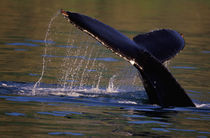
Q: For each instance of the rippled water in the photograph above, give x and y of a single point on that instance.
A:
(85, 89)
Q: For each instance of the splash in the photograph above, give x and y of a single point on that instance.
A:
(77, 63)
(74, 63)
(111, 87)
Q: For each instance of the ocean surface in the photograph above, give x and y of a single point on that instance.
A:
(56, 81)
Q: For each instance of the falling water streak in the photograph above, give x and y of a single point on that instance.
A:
(74, 70)
(69, 68)
(99, 79)
(85, 69)
(45, 53)
(63, 72)
(77, 68)
(66, 64)
(66, 74)
(92, 66)
(93, 63)
(94, 84)
(100, 76)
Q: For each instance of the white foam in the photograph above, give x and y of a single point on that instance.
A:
(4, 85)
(127, 102)
(202, 105)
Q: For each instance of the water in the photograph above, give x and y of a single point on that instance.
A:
(83, 89)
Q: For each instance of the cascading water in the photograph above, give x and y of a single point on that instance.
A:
(73, 62)
(45, 52)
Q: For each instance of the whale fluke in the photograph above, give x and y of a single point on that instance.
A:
(162, 44)
(146, 52)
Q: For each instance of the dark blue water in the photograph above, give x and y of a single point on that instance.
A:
(94, 113)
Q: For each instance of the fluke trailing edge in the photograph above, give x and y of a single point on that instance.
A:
(146, 52)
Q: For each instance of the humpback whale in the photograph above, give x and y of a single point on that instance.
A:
(147, 52)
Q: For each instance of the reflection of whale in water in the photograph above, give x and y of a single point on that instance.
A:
(146, 52)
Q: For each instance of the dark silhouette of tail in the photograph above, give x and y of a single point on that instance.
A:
(146, 52)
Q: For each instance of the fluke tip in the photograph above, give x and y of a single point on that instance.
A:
(64, 12)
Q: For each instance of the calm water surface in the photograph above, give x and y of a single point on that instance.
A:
(85, 89)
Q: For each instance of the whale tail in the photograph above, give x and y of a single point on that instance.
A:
(161, 89)
(146, 52)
